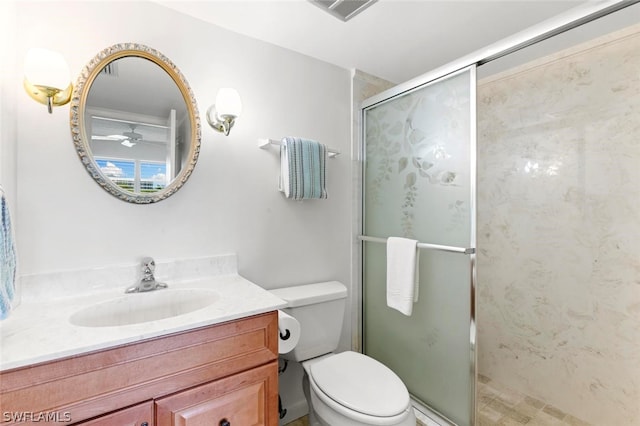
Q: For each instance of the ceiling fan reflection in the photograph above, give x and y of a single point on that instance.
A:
(128, 139)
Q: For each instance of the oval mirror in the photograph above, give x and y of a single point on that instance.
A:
(135, 123)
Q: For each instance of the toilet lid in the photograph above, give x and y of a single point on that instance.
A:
(362, 384)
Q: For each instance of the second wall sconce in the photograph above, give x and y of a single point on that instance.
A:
(47, 78)
(222, 115)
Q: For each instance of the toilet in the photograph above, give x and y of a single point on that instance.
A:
(348, 388)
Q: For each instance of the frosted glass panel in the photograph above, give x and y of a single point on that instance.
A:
(419, 148)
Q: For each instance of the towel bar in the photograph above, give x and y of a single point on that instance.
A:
(452, 249)
(265, 143)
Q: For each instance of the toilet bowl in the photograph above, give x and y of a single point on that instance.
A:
(347, 388)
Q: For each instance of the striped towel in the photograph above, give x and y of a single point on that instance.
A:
(302, 169)
(7, 259)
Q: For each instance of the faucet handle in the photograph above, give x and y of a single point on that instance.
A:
(148, 281)
(148, 265)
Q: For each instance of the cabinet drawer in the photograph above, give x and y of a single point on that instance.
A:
(138, 415)
(245, 399)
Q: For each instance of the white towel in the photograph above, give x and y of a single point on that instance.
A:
(402, 274)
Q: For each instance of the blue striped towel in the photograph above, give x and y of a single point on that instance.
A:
(7, 259)
(302, 169)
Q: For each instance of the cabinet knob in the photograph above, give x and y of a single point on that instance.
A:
(225, 422)
(144, 424)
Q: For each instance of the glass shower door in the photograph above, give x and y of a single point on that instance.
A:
(419, 182)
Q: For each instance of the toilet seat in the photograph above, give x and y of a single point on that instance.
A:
(360, 388)
(354, 416)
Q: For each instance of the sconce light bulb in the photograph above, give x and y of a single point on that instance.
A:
(221, 116)
(47, 78)
(46, 68)
(228, 102)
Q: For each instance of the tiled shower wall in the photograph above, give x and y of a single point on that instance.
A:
(559, 229)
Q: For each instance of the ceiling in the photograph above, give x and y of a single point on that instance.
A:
(393, 39)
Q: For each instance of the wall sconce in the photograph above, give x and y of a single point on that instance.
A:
(222, 115)
(47, 78)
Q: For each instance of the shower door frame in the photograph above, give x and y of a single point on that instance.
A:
(571, 19)
(468, 251)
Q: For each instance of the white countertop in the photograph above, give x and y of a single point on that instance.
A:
(39, 330)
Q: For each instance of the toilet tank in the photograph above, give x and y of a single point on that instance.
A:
(319, 308)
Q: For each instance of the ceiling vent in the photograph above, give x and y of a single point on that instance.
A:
(343, 9)
(111, 69)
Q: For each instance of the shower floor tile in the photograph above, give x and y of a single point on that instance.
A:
(499, 405)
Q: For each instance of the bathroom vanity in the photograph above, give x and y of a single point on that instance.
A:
(226, 373)
(216, 365)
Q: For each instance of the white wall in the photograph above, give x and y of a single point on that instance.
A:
(231, 202)
(7, 104)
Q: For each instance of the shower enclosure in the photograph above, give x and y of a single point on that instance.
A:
(419, 183)
(558, 225)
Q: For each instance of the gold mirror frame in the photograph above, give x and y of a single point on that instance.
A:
(79, 130)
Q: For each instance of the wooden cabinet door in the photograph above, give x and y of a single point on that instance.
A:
(138, 415)
(245, 399)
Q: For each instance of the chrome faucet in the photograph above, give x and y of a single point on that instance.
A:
(148, 281)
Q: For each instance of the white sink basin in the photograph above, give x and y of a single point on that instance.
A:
(137, 308)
